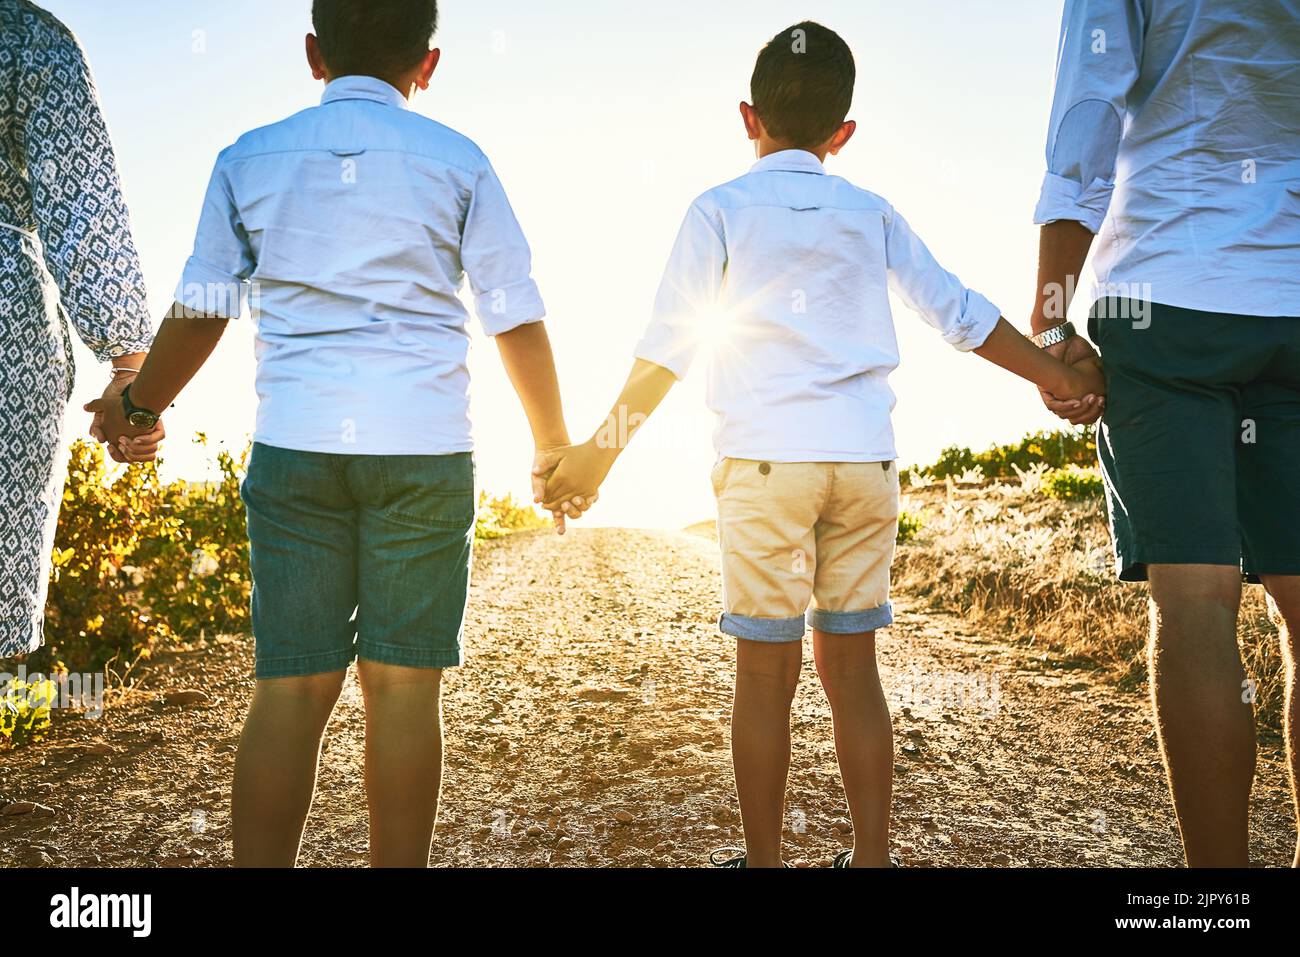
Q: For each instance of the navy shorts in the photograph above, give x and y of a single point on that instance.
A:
(1200, 441)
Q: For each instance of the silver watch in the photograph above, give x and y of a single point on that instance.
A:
(1054, 336)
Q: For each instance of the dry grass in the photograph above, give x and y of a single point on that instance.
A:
(1007, 555)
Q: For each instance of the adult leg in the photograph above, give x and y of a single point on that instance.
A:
(1206, 725)
(767, 676)
(275, 769)
(864, 738)
(403, 760)
(1285, 590)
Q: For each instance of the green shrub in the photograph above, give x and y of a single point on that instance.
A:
(1073, 484)
(503, 515)
(25, 710)
(138, 561)
(1055, 449)
(909, 523)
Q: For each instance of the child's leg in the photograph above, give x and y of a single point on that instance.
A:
(767, 674)
(403, 760)
(275, 770)
(855, 545)
(864, 738)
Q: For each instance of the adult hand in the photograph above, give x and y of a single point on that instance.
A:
(1085, 411)
(125, 443)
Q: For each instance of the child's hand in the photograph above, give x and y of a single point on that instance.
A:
(1085, 379)
(577, 478)
(1094, 380)
(545, 462)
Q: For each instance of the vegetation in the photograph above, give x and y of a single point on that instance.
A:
(24, 710)
(1073, 484)
(1029, 554)
(1053, 449)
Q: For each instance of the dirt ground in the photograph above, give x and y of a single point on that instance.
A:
(589, 728)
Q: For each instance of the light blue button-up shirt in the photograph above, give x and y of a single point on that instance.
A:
(347, 231)
(1175, 136)
(785, 273)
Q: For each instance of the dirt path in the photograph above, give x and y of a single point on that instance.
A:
(589, 727)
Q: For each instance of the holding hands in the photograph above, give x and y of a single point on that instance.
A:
(567, 480)
(1086, 407)
(109, 425)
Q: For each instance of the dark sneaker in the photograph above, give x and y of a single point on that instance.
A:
(727, 857)
(843, 858)
(731, 857)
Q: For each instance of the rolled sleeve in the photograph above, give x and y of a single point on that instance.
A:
(497, 260)
(687, 294)
(214, 281)
(962, 316)
(1062, 198)
(1098, 62)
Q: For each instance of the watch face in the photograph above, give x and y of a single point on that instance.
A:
(142, 420)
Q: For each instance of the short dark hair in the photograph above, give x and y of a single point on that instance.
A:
(802, 85)
(380, 38)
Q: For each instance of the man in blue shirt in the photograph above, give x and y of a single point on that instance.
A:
(1175, 139)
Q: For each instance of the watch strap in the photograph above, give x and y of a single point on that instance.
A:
(1054, 336)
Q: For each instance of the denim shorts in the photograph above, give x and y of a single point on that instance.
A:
(1200, 441)
(358, 556)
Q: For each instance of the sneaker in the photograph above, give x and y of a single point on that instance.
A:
(727, 857)
(732, 857)
(843, 858)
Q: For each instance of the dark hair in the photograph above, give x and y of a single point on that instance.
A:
(802, 85)
(380, 38)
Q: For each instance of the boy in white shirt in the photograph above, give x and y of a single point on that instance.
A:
(798, 265)
(356, 221)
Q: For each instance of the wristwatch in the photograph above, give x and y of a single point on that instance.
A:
(1054, 336)
(138, 417)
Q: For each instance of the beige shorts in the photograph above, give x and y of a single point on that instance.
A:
(801, 534)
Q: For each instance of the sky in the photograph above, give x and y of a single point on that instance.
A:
(604, 119)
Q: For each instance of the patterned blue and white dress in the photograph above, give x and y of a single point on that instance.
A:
(66, 253)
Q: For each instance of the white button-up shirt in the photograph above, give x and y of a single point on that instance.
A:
(1175, 136)
(785, 273)
(353, 225)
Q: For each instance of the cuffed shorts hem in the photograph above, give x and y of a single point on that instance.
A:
(410, 657)
(763, 629)
(298, 666)
(851, 622)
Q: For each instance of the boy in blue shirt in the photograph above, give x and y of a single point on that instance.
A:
(355, 221)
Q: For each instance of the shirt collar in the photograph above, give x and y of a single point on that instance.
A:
(790, 161)
(363, 88)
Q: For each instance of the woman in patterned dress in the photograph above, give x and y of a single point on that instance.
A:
(66, 253)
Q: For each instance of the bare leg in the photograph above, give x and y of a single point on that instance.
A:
(1206, 729)
(275, 769)
(1285, 590)
(767, 675)
(864, 738)
(403, 760)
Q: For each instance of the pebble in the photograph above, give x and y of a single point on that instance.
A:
(624, 817)
(25, 807)
(186, 696)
